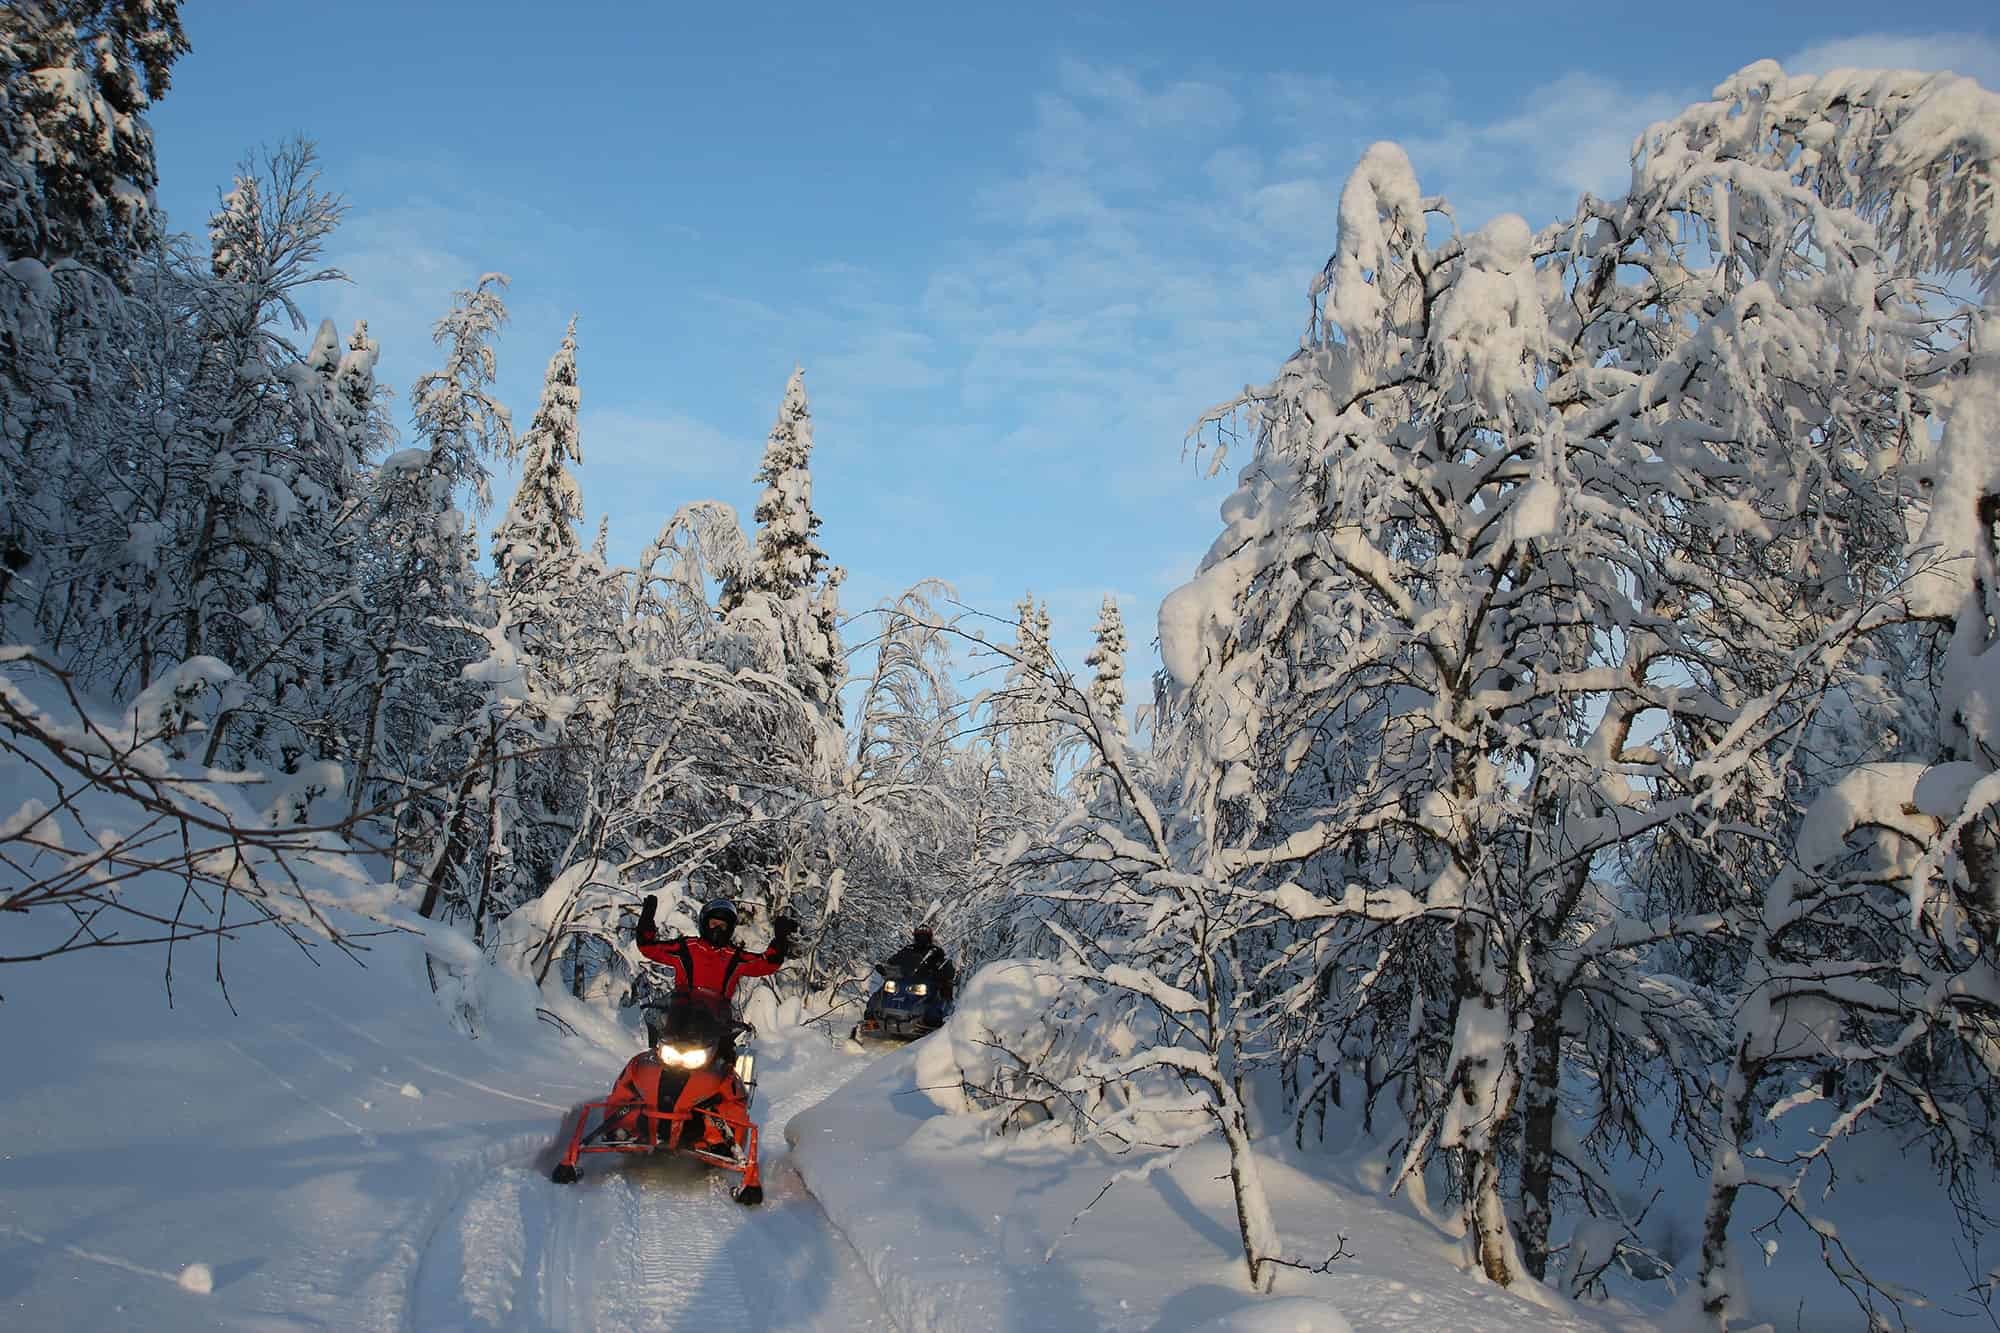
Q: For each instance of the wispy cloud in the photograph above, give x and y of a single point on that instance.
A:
(1012, 413)
(1975, 55)
(641, 465)
(1568, 136)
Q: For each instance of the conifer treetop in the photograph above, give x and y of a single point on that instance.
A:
(787, 559)
(541, 519)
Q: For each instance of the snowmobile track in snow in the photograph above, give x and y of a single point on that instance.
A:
(645, 1244)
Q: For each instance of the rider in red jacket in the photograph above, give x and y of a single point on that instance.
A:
(708, 966)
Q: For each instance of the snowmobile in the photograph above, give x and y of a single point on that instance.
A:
(901, 1008)
(687, 1093)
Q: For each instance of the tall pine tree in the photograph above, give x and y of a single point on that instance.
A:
(538, 535)
(539, 661)
(787, 588)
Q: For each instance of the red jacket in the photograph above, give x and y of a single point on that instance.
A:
(708, 969)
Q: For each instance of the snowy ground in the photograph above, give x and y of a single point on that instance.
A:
(334, 1156)
(958, 1231)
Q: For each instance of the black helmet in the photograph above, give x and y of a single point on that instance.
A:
(921, 937)
(718, 920)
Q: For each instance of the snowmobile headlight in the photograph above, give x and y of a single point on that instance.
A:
(686, 1057)
(921, 988)
(889, 987)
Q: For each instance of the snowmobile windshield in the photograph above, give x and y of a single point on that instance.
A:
(692, 1017)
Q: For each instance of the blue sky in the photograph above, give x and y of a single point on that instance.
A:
(1017, 249)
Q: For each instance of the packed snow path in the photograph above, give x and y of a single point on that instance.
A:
(649, 1244)
(333, 1155)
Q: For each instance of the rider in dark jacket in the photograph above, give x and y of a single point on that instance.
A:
(922, 960)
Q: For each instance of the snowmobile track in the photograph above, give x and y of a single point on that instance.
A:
(645, 1244)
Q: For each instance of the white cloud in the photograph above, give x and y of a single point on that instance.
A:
(1577, 132)
(401, 275)
(1971, 54)
(1182, 105)
(1570, 135)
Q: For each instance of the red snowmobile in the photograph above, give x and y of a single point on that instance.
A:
(688, 1092)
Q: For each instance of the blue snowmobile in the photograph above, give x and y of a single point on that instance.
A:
(915, 995)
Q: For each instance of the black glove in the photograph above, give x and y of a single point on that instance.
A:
(647, 929)
(785, 927)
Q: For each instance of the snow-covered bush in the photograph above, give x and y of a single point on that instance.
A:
(1020, 1034)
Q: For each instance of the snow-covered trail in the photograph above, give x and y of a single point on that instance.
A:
(649, 1244)
(334, 1156)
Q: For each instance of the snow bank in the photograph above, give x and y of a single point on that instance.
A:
(278, 1166)
(964, 1230)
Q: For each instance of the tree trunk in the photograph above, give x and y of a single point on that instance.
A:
(1539, 1108)
(378, 690)
(1254, 1224)
(1541, 1091)
(204, 549)
(454, 822)
(1481, 1045)
(1725, 1178)
(1488, 1213)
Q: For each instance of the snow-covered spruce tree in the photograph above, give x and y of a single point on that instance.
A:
(419, 589)
(1107, 658)
(358, 432)
(785, 596)
(77, 170)
(537, 539)
(539, 658)
(1107, 655)
(1025, 705)
(76, 215)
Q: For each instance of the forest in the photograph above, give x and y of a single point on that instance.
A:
(1576, 759)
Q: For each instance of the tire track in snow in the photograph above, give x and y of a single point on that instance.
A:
(366, 1136)
(93, 1256)
(406, 1057)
